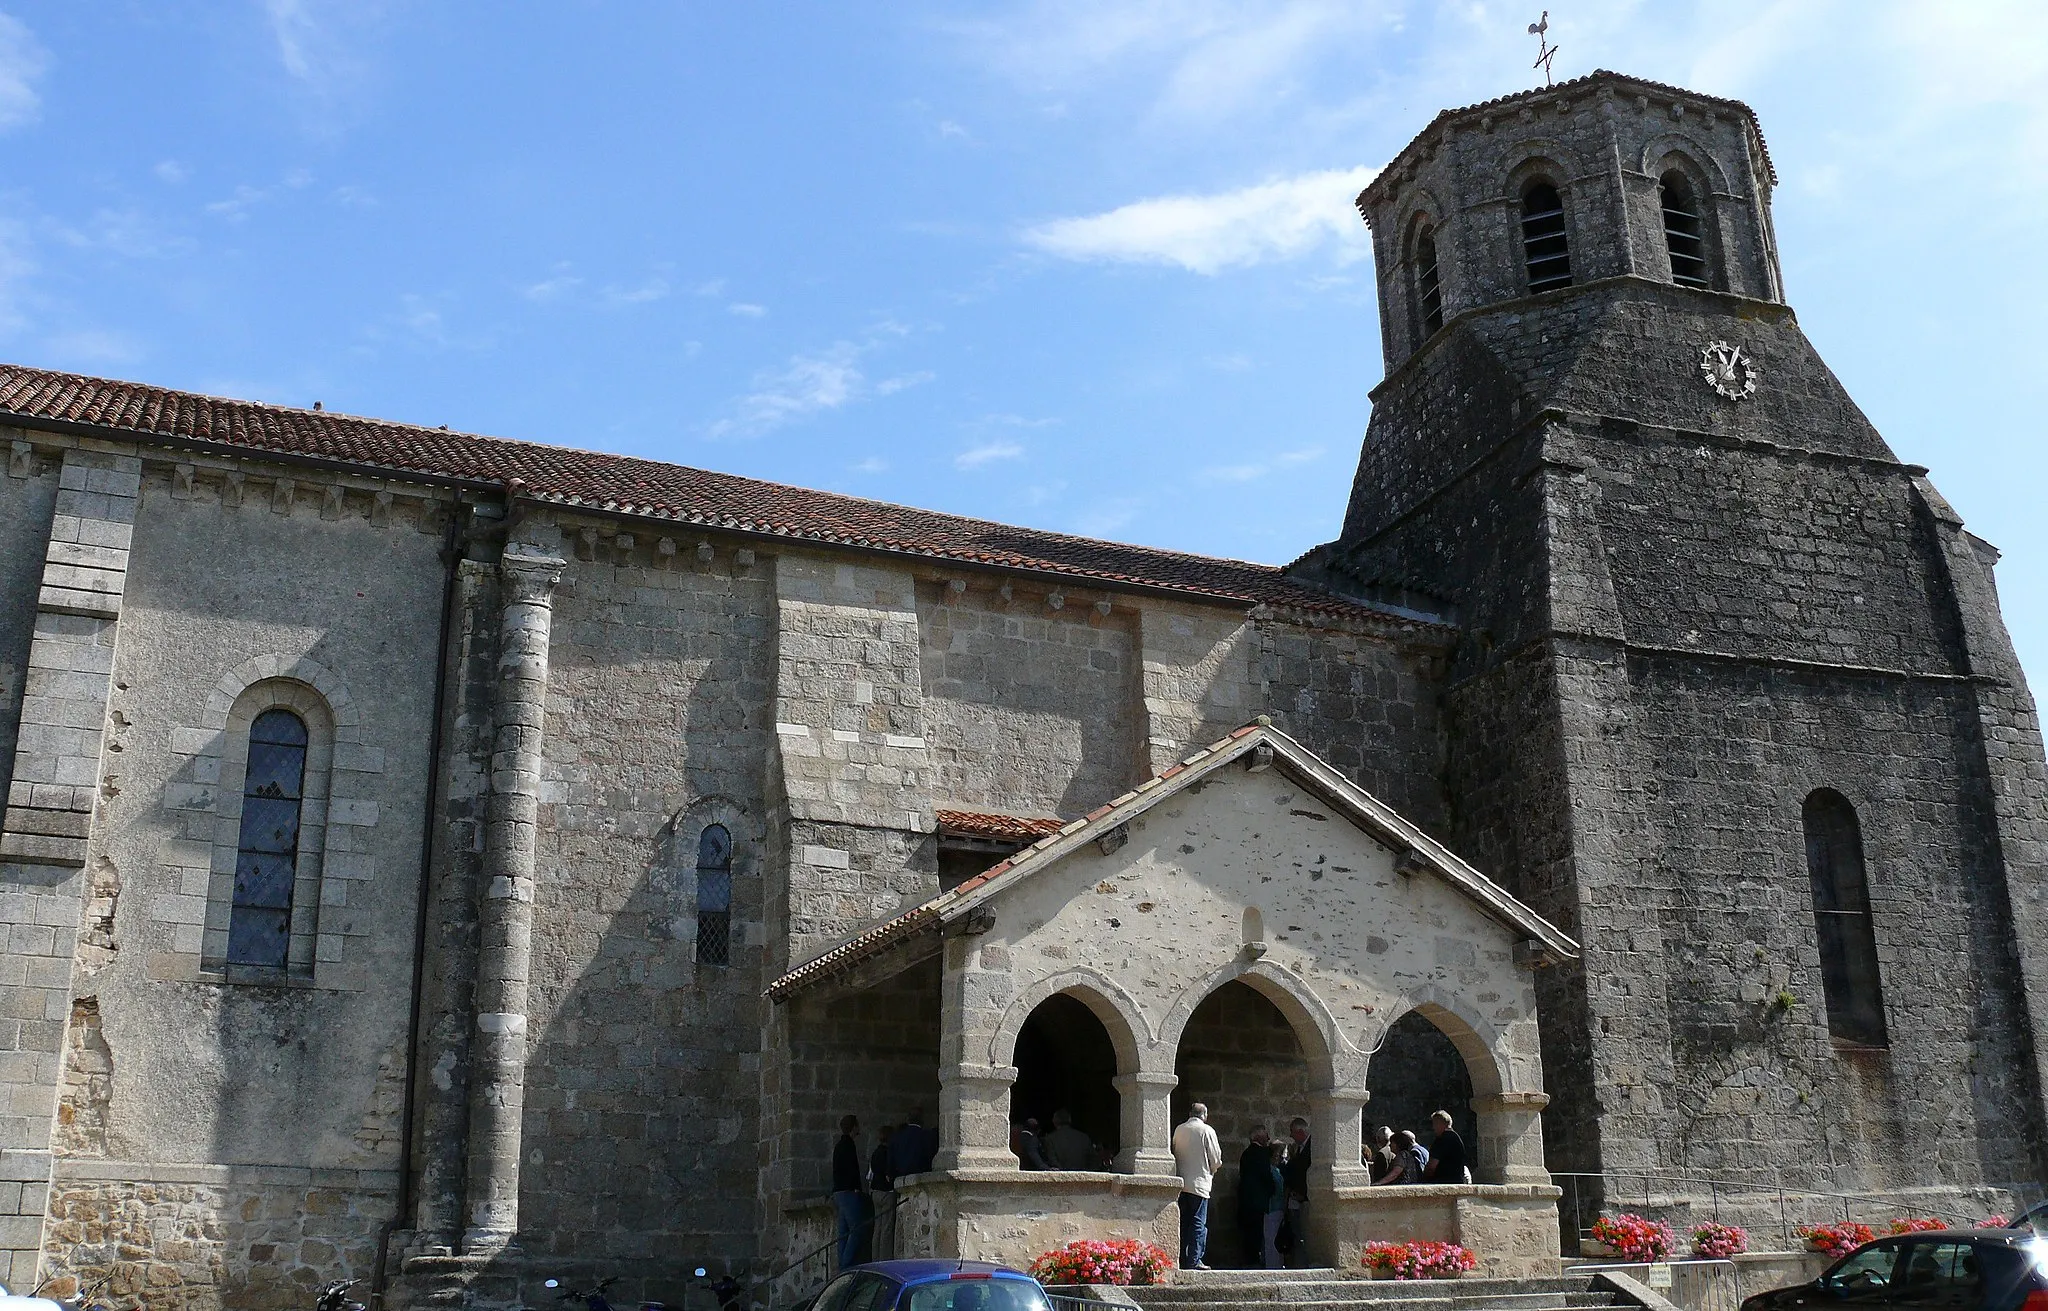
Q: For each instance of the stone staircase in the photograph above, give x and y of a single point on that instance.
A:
(1330, 1290)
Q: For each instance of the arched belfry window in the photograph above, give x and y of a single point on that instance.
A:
(714, 896)
(1842, 922)
(1429, 291)
(1684, 230)
(267, 852)
(1544, 248)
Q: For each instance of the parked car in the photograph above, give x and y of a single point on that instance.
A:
(2033, 1219)
(928, 1285)
(1941, 1270)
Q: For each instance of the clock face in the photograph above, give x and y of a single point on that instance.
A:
(1729, 371)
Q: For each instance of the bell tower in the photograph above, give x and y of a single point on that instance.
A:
(1732, 701)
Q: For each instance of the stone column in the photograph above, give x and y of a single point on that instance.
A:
(974, 1124)
(498, 1061)
(1337, 1122)
(1146, 1120)
(1510, 1146)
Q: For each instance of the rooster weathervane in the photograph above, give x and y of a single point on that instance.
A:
(1545, 52)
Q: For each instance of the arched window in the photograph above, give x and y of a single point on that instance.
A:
(1842, 922)
(1684, 233)
(267, 851)
(1429, 294)
(1544, 247)
(714, 896)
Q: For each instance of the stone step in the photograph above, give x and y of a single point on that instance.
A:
(1392, 1295)
(1218, 1288)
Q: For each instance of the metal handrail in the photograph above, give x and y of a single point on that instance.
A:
(870, 1225)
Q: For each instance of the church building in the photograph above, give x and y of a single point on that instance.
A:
(455, 862)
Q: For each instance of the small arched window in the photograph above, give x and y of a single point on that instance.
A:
(1429, 292)
(1684, 231)
(1544, 247)
(1842, 921)
(714, 896)
(267, 851)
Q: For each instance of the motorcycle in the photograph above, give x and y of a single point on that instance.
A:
(334, 1297)
(726, 1289)
(85, 1299)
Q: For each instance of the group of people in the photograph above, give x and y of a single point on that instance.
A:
(900, 1150)
(1400, 1158)
(1065, 1148)
(1272, 1181)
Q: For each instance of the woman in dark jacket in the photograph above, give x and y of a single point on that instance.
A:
(1261, 1201)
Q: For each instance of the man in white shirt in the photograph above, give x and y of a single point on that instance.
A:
(1197, 1155)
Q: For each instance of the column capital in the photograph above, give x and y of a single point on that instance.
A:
(1144, 1079)
(530, 579)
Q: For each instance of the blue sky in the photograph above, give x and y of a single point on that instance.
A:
(1080, 265)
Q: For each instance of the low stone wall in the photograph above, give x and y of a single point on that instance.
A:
(202, 1238)
(1721, 1285)
(1511, 1228)
(1012, 1216)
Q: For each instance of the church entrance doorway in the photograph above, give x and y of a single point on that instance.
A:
(1239, 1057)
(1065, 1065)
(1416, 1072)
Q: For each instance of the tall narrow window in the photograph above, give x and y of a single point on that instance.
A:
(267, 852)
(1429, 292)
(1842, 923)
(1683, 230)
(1543, 240)
(714, 896)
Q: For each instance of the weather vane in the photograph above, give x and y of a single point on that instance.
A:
(1545, 51)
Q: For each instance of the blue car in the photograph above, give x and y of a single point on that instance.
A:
(932, 1286)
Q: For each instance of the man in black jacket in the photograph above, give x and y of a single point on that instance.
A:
(1447, 1163)
(849, 1197)
(1296, 1175)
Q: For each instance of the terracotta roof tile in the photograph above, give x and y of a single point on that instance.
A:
(986, 824)
(624, 484)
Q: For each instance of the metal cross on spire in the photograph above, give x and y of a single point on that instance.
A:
(1545, 52)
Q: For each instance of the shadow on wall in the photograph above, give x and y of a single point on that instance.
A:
(1065, 1061)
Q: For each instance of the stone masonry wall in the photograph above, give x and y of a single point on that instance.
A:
(1028, 707)
(26, 496)
(642, 1098)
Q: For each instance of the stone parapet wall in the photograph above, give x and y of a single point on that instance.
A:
(1511, 1228)
(1013, 1217)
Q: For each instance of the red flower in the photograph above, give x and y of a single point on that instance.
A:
(1719, 1241)
(1837, 1239)
(1419, 1260)
(1102, 1261)
(1635, 1237)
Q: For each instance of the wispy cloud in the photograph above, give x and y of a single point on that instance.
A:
(646, 293)
(171, 171)
(22, 64)
(987, 453)
(1287, 218)
(1251, 471)
(745, 310)
(873, 464)
(562, 283)
(814, 384)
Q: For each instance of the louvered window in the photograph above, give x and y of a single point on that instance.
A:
(714, 896)
(1684, 233)
(1843, 927)
(1429, 293)
(1544, 247)
(267, 852)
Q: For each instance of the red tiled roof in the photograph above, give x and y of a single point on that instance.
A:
(625, 485)
(983, 824)
(1579, 83)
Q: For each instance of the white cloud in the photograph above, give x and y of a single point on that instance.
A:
(22, 63)
(646, 293)
(873, 464)
(1287, 218)
(94, 346)
(562, 284)
(747, 311)
(1232, 473)
(814, 384)
(237, 206)
(171, 171)
(987, 453)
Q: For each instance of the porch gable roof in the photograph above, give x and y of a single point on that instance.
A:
(1377, 819)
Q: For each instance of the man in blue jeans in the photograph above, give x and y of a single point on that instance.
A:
(1197, 1155)
(849, 1197)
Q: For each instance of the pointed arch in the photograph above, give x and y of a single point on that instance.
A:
(1333, 1059)
(1475, 1039)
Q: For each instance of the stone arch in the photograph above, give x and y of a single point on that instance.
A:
(1119, 1012)
(672, 886)
(1667, 150)
(1334, 1061)
(1468, 1033)
(1539, 157)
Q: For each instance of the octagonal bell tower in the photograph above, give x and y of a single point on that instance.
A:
(1732, 702)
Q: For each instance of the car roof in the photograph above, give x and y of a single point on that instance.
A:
(919, 1271)
(2005, 1237)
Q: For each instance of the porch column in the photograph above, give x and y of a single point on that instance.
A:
(1510, 1147)
(974, 1130)
(1337, 1122)
(497, 1096)
(1145, 1118)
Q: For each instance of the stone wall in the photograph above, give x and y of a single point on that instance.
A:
(642, 1102)
(26, 496)
(206, 1238)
